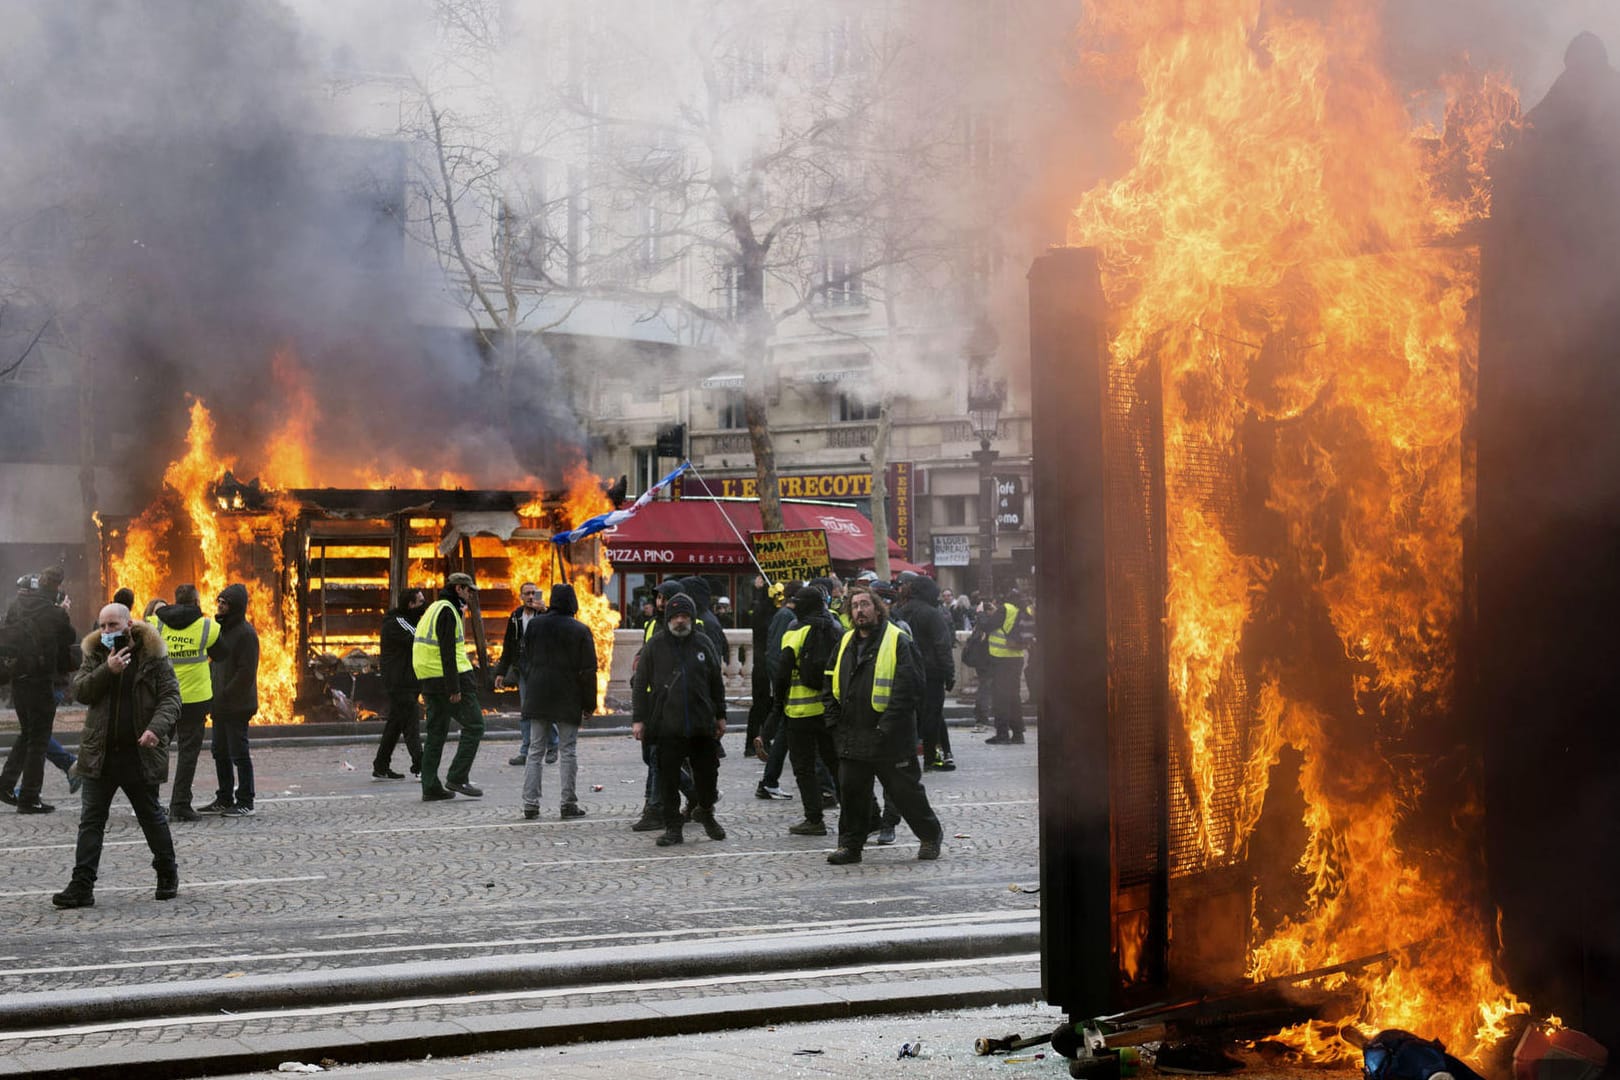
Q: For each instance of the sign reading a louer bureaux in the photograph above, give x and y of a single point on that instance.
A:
(792, 554)
(953, 550)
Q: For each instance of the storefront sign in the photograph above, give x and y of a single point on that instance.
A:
(1009, 504)
(792, 554)
(953, 550)
(899, 508)
(854, 485)
(674, 555)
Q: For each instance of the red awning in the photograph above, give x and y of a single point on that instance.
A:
(696, 532)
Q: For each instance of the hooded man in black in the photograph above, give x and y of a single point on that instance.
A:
(43, 622)
(561, 690)
(931, 630)
(403, 689)
(236, 698)
(652, 812)
(680, 704)
(698, 589)
(798, 717)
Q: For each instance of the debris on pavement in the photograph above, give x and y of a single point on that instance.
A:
(298, 1067)
(909, 1049)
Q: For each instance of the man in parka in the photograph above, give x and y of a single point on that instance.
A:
(561, 679)
(235, 671)
(134, 704)
(872, 690)
(680, 704)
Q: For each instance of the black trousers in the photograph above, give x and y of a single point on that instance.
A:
(35, 702)
(1008, 694)
(404, 719)
(931, 719)
(760, 707)
(188, 738)
(902, 784)
(704, 755)
(120, 772)
(809, 741)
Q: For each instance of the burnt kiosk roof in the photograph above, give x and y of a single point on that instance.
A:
(384, 502)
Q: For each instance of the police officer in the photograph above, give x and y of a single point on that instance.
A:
(189, 634)
(439, 657)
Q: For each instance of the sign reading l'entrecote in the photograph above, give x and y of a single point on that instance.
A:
(792, 554)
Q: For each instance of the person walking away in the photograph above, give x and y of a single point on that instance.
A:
(876, 682)
(513, 665)
(931, 630)
(680, 705)
(439, 657)
(188, 634)
(235, 672)
(976, 655)
(134, 704)
(767, 598)
(799, 718)
(398, 637)
(1009, 631)
(38, 641)
(561, 691)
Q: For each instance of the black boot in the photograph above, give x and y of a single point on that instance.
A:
(672, 836)
(649, 821)
(77, 894)
(168, 883)
(710, 826)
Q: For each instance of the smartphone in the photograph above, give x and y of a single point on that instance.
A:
(120, 643)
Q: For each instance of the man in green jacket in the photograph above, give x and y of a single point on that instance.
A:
(134, 698)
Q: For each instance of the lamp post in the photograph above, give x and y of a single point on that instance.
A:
(985, 400)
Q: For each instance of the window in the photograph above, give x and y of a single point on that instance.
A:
(728, 290)
(729, 410)
(651, 248)
(841, 276)
(644, 473)
(953, 510)
(851, 409)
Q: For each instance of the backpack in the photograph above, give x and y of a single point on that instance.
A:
(20, 653)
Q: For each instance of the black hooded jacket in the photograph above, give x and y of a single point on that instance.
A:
(698, 590)
(236, 656)
(178, 616)
(398, 640)
(51, 630)
(930, 629)
(560, 683)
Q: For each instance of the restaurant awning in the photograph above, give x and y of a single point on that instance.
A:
(696, 532)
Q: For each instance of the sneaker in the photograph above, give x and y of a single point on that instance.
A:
(763, 792)
(8, 797)
(829, 800)
(386, 774)
(183, 813)
(885, 835)
(530, 813)
(551, 755)
(168, 886)
(997, 740)
(518, 759)
(571, 810)
(468, 789)
(671, 837)
(437, 796)
(928, 850)
(416, 768)
(35, 807)
(844, 856)
(649, 821)
(809, 828)
(1018, 738)
(948, 765)
(74, 896)
(215, 807)
(239, 810)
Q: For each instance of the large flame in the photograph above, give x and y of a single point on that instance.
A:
(584, 498)
(1286, 244)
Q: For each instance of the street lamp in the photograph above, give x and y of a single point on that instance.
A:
(985, 400)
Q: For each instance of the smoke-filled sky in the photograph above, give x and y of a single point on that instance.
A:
(166, 197)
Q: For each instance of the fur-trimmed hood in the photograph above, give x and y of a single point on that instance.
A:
(148, 642)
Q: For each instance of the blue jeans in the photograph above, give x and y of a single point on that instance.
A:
(523, 721)
(233, 764)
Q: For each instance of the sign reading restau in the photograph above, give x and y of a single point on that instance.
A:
(952, 550)
(792, 554)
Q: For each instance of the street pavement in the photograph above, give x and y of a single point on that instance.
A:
(347, 915)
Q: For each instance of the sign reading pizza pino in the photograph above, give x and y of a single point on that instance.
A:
(792, 554)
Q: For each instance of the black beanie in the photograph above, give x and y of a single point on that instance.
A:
(679, 604)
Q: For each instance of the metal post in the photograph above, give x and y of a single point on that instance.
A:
(986, 457)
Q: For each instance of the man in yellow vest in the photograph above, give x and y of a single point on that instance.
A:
(1010, 629)
(798, 716)
(439, 658)
(189, 634)
(873, 689)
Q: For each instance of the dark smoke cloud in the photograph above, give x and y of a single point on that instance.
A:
(169, 198)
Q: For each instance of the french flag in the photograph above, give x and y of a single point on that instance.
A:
(591, 526)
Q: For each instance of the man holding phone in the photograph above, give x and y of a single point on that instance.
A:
(134, 704)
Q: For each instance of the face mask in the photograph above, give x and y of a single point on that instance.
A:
(107, 639)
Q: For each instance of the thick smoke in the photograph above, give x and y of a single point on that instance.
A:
(171, 206)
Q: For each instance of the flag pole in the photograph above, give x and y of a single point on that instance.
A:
(718, 506)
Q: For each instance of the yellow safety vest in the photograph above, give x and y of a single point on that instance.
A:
(802, 701)
(882, 674)
(652, 628)
(425, 649)
(188, 652)
(997, 639)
